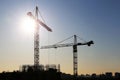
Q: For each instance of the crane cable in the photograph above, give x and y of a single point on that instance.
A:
(64, 40)
(36, 3)
(81, 39)
(48, 52)
(42, 17)
(70, 38)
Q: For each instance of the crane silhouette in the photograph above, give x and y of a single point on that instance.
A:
(36, 36)
(75, 55)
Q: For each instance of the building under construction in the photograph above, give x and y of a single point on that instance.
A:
(27, 68)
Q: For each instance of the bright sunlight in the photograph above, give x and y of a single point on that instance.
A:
(28, 24)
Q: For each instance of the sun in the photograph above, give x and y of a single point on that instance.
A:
(28, 24)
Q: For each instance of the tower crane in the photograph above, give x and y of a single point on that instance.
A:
(36, 35)
(75, 56)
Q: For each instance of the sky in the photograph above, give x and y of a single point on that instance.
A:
(96, 20)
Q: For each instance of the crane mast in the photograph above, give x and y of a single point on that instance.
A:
(75, 56)
(75, 60)
(36, 41)
(36, 35)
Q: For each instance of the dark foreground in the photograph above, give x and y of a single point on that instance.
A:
(31, 75)
(51, 74)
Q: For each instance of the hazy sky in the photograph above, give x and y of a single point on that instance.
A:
(97, 20)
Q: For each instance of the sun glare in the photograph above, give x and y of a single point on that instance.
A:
(28, 24)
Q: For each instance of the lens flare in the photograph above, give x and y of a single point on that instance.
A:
(28, 24)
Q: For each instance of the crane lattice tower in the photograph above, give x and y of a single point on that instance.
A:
(36, 35)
